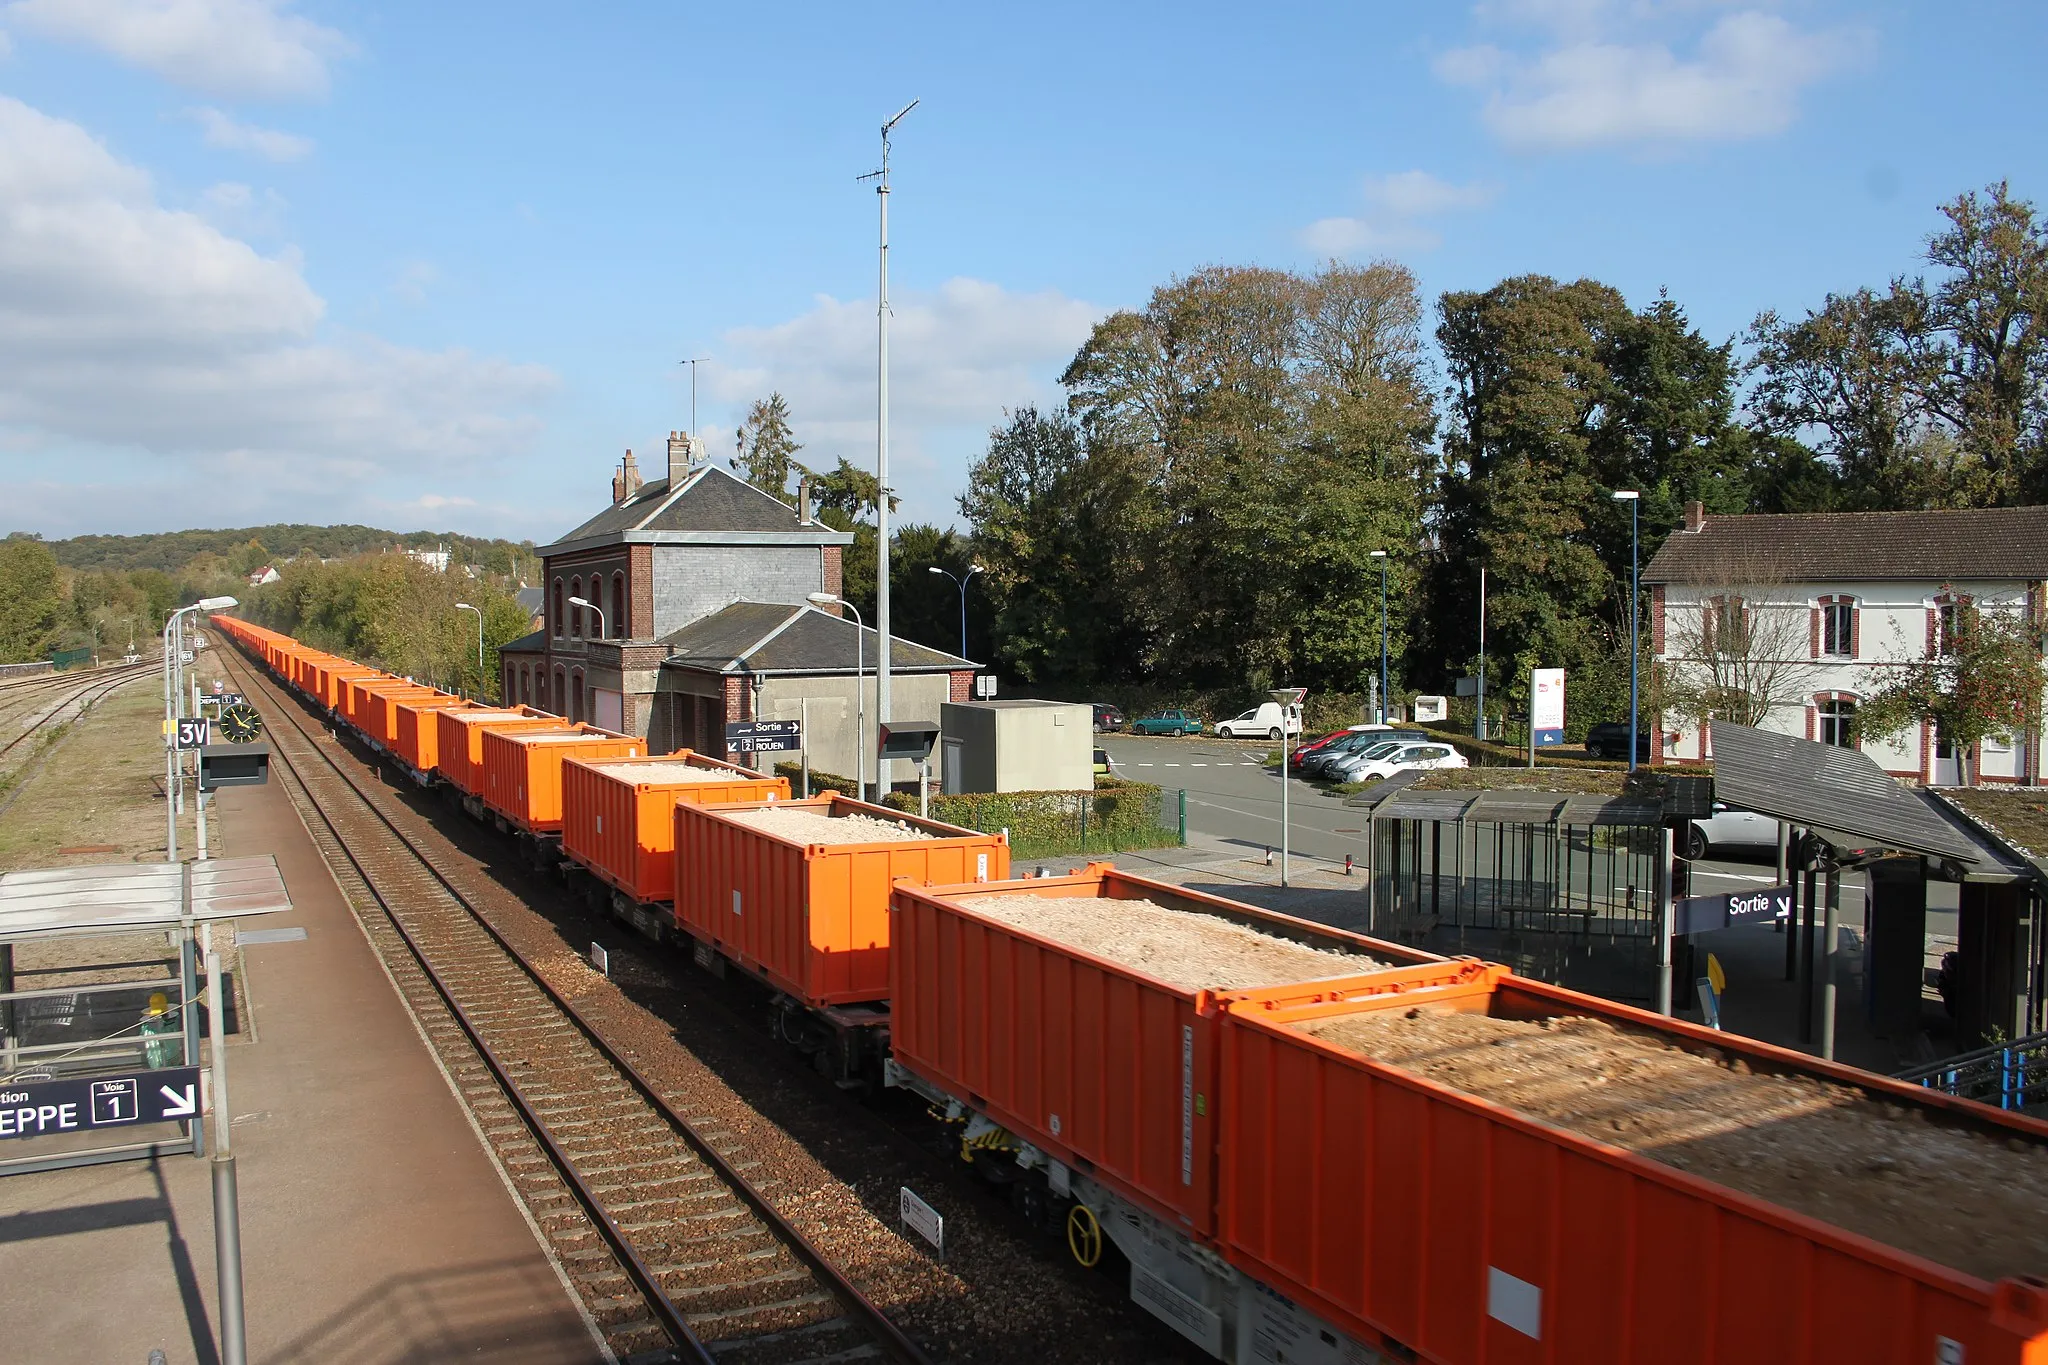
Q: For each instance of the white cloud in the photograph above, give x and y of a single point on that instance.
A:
(1396, 207)
(1610, 74)
(129, 327)
(222, 131)
(415, 278)
(958, 357)
(434, 502)
(226, 47)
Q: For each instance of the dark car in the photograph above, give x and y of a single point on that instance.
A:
(1107, 717)
(1609, 739)
(1169, 723)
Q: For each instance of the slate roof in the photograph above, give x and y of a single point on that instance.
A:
(709, 502)
(1808, 547)
(772, 638)
(536, 643)
(532, 601)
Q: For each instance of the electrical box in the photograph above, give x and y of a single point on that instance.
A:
(908, 739)
(233, 765)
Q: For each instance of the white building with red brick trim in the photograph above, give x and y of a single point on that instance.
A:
(1829, 604)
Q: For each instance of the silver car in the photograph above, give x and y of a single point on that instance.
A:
(1729, 828)
(1339, 759)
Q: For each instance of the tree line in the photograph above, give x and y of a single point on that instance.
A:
(1203, 509)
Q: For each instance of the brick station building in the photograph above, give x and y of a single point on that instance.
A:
(699, 583)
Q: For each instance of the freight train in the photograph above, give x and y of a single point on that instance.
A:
(1308, 1147)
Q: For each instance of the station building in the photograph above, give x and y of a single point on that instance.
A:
(697, 585)
(1813, 610)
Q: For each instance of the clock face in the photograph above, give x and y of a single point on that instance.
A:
(240, 723)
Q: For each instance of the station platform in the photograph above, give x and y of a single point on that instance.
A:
(375, 1225)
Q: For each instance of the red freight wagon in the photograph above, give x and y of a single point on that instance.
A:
(1433, 1221)
(460, 740)
(1108, 1068)
(618, 814)
(522, 769)
(805, 910)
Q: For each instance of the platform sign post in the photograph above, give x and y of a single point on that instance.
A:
(924, 1220)
(227, 1214)
(1546, 709)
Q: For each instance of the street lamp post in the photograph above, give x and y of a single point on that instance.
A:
(1634, 500)
(860, 668)
(464, 606)
(961, 581)
(174, 700)
(1381, 556)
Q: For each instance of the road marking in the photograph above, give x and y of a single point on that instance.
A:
(1169, 765)
(1202, 765)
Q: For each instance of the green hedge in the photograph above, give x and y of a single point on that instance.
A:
(1109, 819)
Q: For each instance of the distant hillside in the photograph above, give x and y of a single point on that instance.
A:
(171, 551)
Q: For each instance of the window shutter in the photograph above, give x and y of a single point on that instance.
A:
(1855, 629)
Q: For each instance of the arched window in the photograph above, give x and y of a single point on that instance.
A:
(561, 690)
(576, 698)
(619, 605)
(575, 612)
(525, 685)
(559, 620)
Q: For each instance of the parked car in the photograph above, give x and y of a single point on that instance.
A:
(1339, 767)
(1730, 828)
(1168, 723)
(1609, 739)
(1102, 768)
(1298, 760)
(1358, 741)
(1264, 721)
(1407, 758)
(1107, 717)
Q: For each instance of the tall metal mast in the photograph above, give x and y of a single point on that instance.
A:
(882, 710)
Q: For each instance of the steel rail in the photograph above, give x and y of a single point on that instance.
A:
(889, 1336)
(99, 687)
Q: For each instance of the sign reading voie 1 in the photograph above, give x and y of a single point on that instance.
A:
(44, 1108)
(763, 736)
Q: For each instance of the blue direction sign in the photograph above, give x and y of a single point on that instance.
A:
(43, 1108)
(1698, 914)
(763, 736)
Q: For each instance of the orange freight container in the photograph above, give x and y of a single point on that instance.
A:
(357, 693)
(1104, 1066)
(418, 730)
(1398, 1208)
(618, 815)
(335, 680)
(522, 769)
(813, 917)
(460, 740)
(380, 709)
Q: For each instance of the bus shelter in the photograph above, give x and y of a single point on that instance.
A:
(1559, 886)
(86, 996)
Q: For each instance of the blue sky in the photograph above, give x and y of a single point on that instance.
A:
(432, 266)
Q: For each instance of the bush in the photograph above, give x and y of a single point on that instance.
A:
(1053, 824)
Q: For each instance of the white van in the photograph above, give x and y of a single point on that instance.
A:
(1263, 721)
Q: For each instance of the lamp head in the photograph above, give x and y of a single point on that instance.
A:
(216, 603)
(579, 602)
(1624, 495)
(933, 568)
(822, 599)
(1379, 554)
(974, 569)
(464, 606)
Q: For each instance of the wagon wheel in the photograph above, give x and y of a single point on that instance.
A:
(1084, 1236)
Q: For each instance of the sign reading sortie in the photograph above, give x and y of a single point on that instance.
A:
(1699, 914)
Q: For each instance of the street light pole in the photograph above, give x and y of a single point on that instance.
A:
(464, 606)
(960, 580)
(1381, 556)
(882, 441)
(860, 668)
(1634, 500)
(174, 701)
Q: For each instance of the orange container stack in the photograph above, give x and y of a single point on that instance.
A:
(459, 740)
(618, 815)
(418, 730)
(782, 892)
(1502, 1170)
(380, 709)
(1082, 1013)
(522, 769)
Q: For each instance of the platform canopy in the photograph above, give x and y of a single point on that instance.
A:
(52, 902)
(1833, 790)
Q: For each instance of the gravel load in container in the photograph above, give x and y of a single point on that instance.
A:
(1188, 949)
(809, 827)
(666, 772)
(1894, 1174)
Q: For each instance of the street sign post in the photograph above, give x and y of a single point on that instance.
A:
(763, 736)
(1731, 910)
(194, 732)
(98, 1103)
(922, 1219)
(1546, 706)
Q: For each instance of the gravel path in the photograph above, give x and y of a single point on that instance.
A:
(1184, 947)
(808, 827)
(1956, 1197)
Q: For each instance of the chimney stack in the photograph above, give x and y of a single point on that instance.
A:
(627, 481)
(1695, 515)
(803, 500)
(678, 454)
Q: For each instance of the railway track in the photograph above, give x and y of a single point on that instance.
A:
(674, 1251)
(91, 692)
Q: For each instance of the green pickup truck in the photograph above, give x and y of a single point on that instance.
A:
(1168, 723)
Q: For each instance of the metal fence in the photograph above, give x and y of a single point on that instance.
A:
(2008, 1075)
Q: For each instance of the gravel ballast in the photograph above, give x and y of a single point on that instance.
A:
(808, 827)
(666, 772)
(1963, 1199)
(1183, 947)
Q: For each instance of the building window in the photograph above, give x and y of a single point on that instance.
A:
(1838, 628)
(1727, 626)
(525, 685)
(619, 606)
(1838, 722)
(1952, 619)
(575, 612)
(561, 690)
(576, 699)
(555, 625)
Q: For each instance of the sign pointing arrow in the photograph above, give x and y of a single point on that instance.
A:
(180, 1104)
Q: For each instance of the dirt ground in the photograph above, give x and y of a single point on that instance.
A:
(2021, 816)
(1189, 950)
(1976, 1203)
